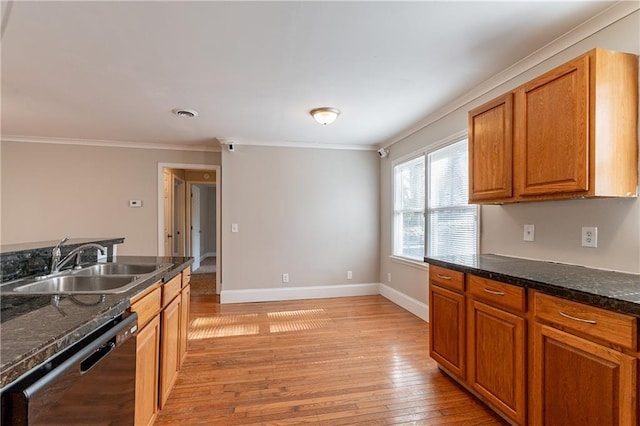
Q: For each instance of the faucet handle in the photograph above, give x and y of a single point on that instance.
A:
(56, 249)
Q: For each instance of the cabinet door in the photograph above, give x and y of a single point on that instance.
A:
(552, 131)
(490, 150)
(496, 352)
(170, 341)
(447, 329)
(147, 366)
(579, 382)
(184, 322)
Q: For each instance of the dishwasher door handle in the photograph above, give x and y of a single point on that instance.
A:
(89, 362)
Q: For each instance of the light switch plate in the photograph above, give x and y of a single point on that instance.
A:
(234, 227)
(529, 232)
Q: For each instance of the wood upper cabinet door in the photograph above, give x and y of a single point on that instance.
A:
(496, 353)
(490, 150)
(576, 129)
(170, 346)
(147, 368)
(447, 329)
(553, 135)
(578, 382)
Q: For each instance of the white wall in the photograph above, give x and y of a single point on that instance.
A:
(311, 213)
(52, 190)
(557, 223)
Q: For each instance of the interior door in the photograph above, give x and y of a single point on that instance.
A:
(179, 207)
(195, 226)
(168, 212)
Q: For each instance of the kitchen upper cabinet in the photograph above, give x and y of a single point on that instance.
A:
(491, 150)
(574, 134)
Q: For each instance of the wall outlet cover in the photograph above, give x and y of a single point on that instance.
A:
(590, 236)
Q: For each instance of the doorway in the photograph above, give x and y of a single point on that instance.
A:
(189, 223)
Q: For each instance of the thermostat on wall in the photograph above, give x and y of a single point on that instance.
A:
(135, 203)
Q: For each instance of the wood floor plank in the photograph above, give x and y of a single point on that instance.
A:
(357, 360)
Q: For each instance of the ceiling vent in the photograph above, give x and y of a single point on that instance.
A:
(185, 113)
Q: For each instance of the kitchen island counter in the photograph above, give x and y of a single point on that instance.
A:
(33, 328)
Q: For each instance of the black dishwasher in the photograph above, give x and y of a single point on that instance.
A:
(91, 383)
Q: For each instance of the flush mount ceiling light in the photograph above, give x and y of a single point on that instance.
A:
(325, 115)
(185, 113)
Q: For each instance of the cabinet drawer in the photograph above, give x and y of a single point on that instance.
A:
(446, 277)
(186, 276)
(171, 289)
(506, 295)
(610, 326)
(147, 306)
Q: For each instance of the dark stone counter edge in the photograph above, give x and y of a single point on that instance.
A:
(30, 360)
(597, 300)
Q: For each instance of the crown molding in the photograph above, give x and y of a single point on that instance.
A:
(616, 12)
(174, 147)
(312, 145)
(107, 143)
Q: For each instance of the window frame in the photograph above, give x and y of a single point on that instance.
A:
(425, 151)
(394, 164)
(427, 232)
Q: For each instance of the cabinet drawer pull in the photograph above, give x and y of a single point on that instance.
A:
(444, 277)
(497, 293)
(577, 319)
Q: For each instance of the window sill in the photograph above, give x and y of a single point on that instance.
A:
(410, 262)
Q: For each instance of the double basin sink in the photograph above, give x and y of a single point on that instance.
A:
(99, 278)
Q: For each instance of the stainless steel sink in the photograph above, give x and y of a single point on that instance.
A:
(121, 269)
(100, 278)
(87, 284)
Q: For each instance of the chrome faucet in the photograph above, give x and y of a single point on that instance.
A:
(55, 267)
(55, 254)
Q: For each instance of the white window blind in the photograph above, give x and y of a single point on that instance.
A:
(452, 223)
(408, 206)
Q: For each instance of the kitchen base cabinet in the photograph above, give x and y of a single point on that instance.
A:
(496, 352)
(147, 365)
(185, 307)
(447, 321)
(576, 381)
(170, 345)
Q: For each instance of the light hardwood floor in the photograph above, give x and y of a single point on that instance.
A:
(358, 360)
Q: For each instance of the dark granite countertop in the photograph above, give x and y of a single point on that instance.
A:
(32, 329)
(611, 290)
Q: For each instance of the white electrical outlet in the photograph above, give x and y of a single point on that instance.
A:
(529, 232)
(389, 277)
(285, 278)
(349, 275)
(589, 236)
(234, 227)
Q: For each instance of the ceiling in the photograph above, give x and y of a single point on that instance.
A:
(113, 71)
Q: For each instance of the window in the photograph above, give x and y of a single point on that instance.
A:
(451, 224)
(409, 202)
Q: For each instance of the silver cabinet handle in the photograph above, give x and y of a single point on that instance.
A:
(497, 293)
(577, 319)
(444, 277)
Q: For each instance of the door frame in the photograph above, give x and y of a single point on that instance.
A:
(160, 211)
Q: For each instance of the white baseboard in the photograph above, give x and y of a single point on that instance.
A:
(296, 293)
(412, 305)
(208, 254)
